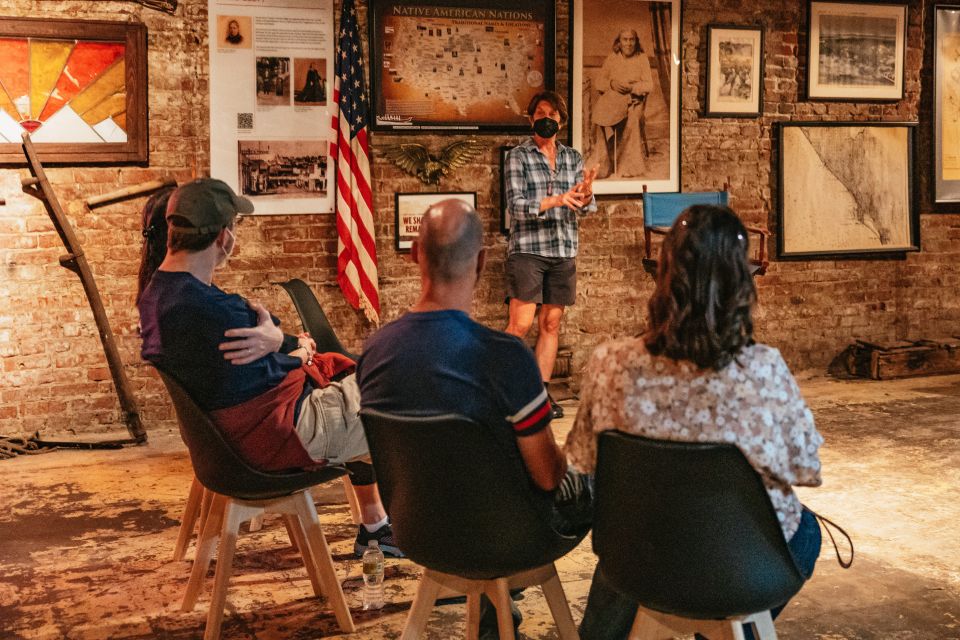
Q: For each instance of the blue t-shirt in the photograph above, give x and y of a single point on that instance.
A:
(182, 321)
(438, 362)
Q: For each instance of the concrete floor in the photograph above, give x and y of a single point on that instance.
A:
(86, 537)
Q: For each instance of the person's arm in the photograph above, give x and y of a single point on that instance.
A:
(542, 457)
(248, 344)
(519, 206)
(581, 445)
(800, 433)
(645, 84)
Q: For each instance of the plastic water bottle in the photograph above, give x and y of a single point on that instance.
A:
(373, 577)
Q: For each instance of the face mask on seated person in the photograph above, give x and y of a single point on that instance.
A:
(546, 127)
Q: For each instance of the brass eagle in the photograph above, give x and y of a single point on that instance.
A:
(417, 160)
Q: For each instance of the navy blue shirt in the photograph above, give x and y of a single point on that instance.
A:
(182, 321)
(438, 362)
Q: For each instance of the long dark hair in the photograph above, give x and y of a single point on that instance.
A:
(701, 309)
(154, 237)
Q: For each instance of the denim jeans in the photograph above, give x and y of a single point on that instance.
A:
(610, 614)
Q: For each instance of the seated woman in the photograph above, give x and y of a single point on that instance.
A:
(697, 375)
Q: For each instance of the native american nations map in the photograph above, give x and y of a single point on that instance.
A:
(458, 66)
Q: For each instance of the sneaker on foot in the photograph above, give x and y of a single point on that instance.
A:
(556, 410)
(383, 535)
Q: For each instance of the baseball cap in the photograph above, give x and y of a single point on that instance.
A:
(208, 204)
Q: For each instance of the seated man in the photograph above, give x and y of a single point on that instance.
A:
(435, 359)
(277, 402)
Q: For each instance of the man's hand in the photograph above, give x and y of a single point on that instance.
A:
(252, 343)
(620, 87)
(586, 187)
(308, 345)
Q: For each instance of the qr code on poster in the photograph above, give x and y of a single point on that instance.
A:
(244, 121)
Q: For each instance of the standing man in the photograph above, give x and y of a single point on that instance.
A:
(547, 188)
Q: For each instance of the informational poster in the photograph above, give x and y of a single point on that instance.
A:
(271, 92)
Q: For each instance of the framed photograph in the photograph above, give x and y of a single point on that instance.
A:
(846, 189)
(734, 71)
(410, 207)
(77, 87)
(856, 51)
(946, 108)
(626, 99)
(504, 214)
(459, 64)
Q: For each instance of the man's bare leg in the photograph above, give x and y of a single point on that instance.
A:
(521, 317)
(548, 339)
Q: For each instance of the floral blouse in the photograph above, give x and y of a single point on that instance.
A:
(753, 402)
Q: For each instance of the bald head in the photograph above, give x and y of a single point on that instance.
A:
(451, 236)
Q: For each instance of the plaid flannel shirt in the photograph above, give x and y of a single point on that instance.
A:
(551, 233)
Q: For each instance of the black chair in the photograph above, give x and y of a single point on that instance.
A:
(238, 493)
(463, 507)
(313, 318)
(689, 531)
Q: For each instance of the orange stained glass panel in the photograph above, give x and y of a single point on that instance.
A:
(86, 63)
(109, 83)
(15, 74)
(47, 58)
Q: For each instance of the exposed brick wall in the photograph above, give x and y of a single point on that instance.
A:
(54, 376)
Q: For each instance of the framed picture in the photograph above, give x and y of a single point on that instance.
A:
(734, 71)
(410, 207)
(946, 108)
(504, 214)
(846, 189)
(77, 87)
(454, 65)
(626, 100)
(856, 51)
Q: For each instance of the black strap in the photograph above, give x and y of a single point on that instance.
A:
(827, 523)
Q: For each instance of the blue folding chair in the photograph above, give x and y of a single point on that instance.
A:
(661, 209)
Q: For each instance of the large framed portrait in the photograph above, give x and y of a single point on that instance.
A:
(410, 208)
(626, 96)
(77, 87)
(856, 51)
(846, 189)
(454, 65)
(734, 71)
(946, 108)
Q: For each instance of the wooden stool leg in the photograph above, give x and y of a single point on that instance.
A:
(352, 500)
(557, 601)
(763, 626)
(422, 606)
(297, 539)
(317, 544)
(206, 544)
(188, 521)
(233, 516)
(473, 616)
(647, 628)
(499, 594)
(256, 523)
(206, 502)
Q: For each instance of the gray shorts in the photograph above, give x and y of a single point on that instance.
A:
(533, 278)
(329, 424)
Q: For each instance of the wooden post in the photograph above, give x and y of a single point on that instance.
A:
(39, 187)
(129, 192)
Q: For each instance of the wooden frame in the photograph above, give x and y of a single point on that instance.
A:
(410, 206)
(846, 189)
(946, 108)
(856, 51)
(455, 65)
(103, 120)
(504, 216)
(734, 89)
(644, 110)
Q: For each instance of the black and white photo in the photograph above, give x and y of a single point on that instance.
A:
(287, 168)
(734, 70)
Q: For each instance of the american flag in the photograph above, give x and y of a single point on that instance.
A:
(356, 249)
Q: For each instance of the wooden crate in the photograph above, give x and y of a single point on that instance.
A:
(904, 359)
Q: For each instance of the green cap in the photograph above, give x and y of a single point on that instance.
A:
(208, 204)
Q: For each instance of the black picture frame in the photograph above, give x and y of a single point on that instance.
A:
(844, 68)
(717, 103)
(946, 180)
(842, 183)
(492, 70)
(410, 204)
(504, 215)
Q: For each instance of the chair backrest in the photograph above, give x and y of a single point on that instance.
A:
(219, 468)
(661, 209)
(313, 318)
(688, 528)
(458, 501)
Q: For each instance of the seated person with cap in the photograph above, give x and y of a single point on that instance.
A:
(280, 404)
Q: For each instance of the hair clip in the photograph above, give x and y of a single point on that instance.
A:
(683, 222)
(149, 231)
(740, 237)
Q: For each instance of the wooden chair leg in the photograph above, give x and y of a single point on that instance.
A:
(256, 523)
(763, 628)
(234, 515)
(559, 607)
(206, 544)
(499, 594)
(647, 628)
(422, 606)
(205, 503)
(188, 521)
(317, 544)
(473, 616)
(297, 539)
(352, 500)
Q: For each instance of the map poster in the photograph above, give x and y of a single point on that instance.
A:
(271, 69)
(459, 64)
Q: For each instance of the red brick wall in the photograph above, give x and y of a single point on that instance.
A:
(54, 376)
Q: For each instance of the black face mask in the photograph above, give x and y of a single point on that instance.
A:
(546, 127)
